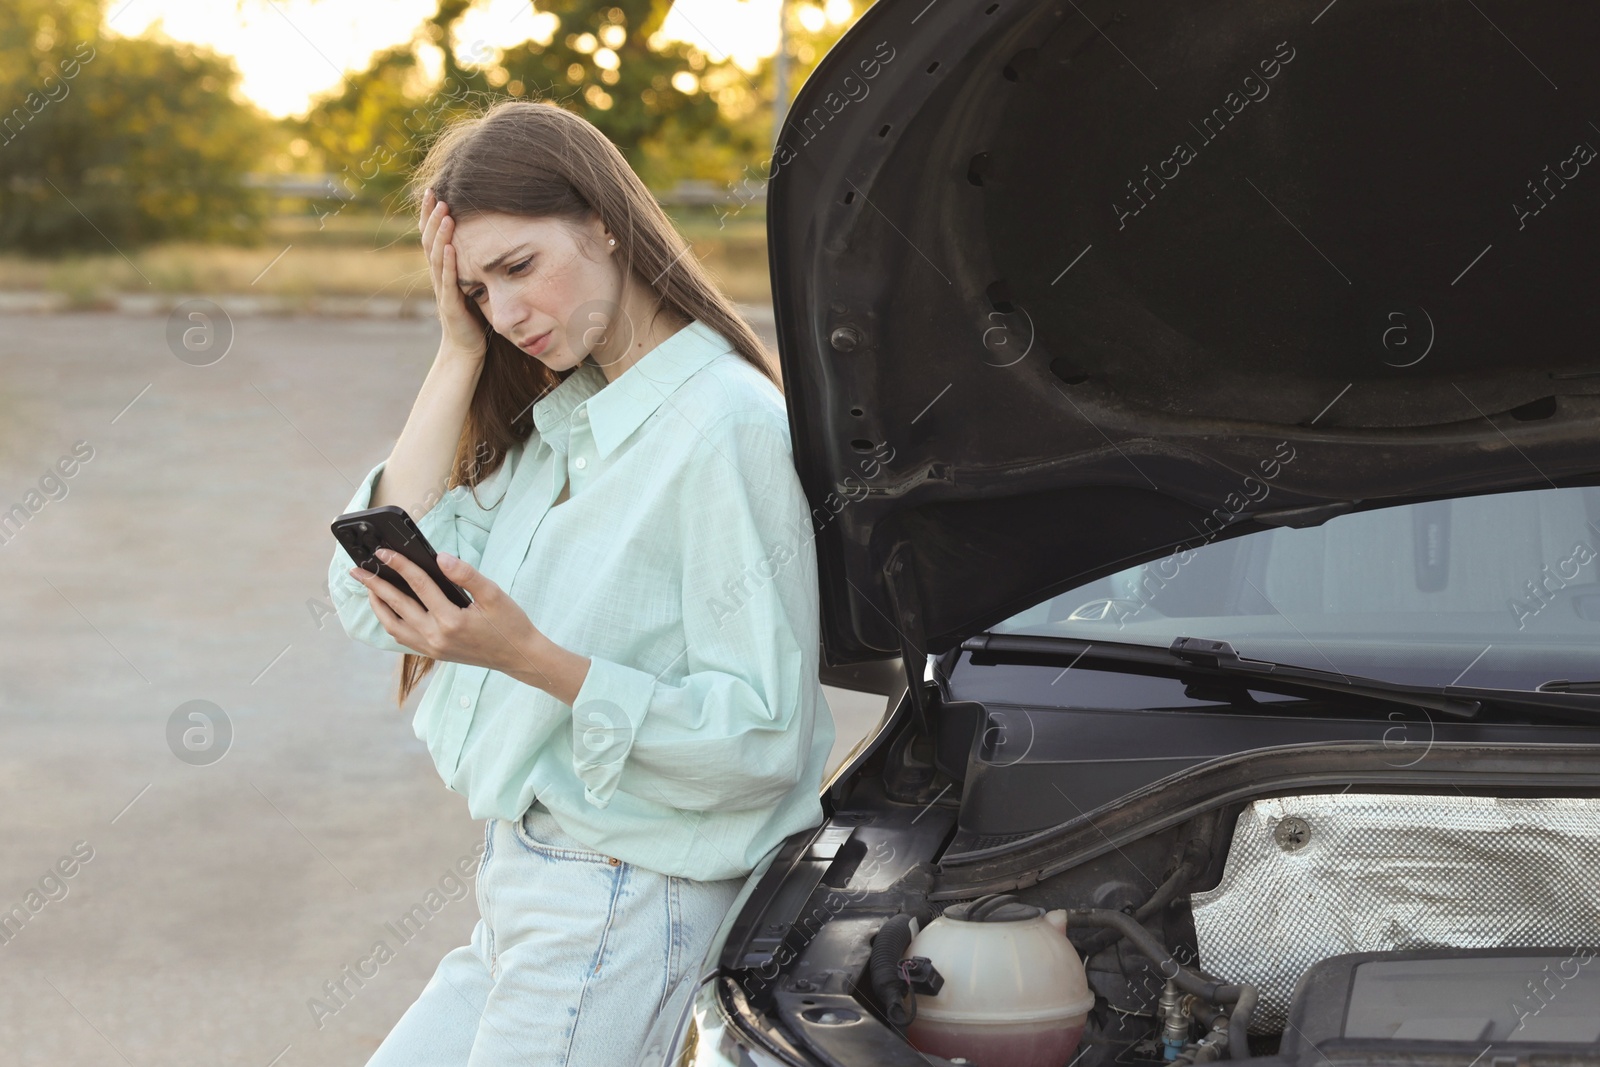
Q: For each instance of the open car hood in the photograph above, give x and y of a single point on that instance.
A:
(1061, 286)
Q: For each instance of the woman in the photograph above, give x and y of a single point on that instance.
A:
(631, 702)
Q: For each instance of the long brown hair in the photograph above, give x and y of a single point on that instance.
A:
(530, 158)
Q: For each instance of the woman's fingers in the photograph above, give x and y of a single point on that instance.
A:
(428, 222)
(380, 607)
(462, 331)
(431, 241)
(397, 627)
(443, 246)
(434, 241)
(438, 231)
(447, 273)
(397, 606)
(420, 582)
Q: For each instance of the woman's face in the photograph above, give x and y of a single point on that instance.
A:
(548, 285)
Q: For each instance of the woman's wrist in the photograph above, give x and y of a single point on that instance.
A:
(457, 361)
(545, 665)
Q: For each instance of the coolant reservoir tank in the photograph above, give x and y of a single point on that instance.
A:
(1014, 992)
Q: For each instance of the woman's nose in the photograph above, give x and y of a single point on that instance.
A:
(504, 314)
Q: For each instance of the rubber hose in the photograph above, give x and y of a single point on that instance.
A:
(1193, 859)
(1168, 889)
(888, 945)
(1163, 895)
(1145, 942)
(1204, 1054)
(1242, 996)
(984, 907)
(1206, 1014)
(1239, 1023)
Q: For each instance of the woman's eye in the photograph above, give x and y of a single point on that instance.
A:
(477, 295)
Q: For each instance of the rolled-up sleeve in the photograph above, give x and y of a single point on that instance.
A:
(458, 523)
(729, 724)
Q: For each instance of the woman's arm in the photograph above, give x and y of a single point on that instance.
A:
(418, 468)
(735, 725)
(413, 477)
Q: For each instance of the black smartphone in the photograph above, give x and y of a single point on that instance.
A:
(362, 533)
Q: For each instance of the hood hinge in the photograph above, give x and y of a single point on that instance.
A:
(900, 576)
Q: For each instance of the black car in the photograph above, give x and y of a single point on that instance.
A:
(1201, 405)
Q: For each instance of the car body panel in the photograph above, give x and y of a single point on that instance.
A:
(1018, 358)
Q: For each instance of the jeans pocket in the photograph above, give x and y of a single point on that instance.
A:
(696, 910)
(538, 832)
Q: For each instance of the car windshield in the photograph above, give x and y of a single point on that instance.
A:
(1496, 591)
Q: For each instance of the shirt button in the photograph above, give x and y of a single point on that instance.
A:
(580, 463)
(583, 413)
(466, 702)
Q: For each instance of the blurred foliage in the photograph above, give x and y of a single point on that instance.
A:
(674, 111)
(130, 141)
(814, 28)
(597, 63)
(120, 140)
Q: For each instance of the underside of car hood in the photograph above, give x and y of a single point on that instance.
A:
(1062, 286)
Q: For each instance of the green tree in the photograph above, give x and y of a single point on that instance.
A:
(122, 140)
(649, 99)
(811, 35)
(672, 110)
(374, 128)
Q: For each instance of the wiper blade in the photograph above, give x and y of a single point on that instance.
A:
(1190, 659)
(1561, 685)
(1220, 656)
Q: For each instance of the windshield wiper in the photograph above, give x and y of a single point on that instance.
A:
(1193, 659)
(1220, 656)
(1561, 685)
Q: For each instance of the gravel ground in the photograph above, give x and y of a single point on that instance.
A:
(183, 911)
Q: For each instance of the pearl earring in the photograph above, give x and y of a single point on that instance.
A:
(613, 240)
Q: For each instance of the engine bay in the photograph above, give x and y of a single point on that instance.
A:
(1245, 908)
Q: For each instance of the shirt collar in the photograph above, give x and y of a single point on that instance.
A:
(552, 413)
(618, 408)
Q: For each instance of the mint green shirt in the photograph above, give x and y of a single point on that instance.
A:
(683, 566)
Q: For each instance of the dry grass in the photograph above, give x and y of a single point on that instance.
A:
(320, 264)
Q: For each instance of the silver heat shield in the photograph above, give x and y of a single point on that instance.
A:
(1315, 876)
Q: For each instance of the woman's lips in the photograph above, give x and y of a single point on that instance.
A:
(538, 344)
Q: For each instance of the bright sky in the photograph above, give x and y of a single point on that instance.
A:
(290, 50)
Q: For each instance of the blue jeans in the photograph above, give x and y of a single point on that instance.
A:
(572, 958)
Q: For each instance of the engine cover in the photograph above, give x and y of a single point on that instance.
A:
(1506, 996)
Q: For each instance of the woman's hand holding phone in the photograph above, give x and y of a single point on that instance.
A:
(464, 339)
(494, 632)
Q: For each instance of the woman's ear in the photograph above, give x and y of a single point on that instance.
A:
(602, 233)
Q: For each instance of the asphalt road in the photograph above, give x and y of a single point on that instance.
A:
(181, 911)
